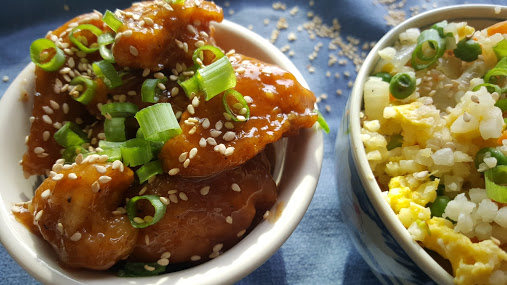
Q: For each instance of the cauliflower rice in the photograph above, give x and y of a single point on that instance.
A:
(441, 126)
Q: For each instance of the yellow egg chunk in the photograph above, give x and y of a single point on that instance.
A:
(472, 263)
(418, 122)
(400, 194)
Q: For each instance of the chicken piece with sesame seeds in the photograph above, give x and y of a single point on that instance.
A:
(280, 106)
(211, 212)
(157, 36)
(73, 210)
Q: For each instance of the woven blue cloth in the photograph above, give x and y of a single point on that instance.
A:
(319, 251)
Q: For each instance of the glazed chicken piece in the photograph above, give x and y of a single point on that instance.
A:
(204, 217)
(156, 35)
(73, 210)
(279, 106)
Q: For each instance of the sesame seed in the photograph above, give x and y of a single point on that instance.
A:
(146, 72)
(72, 176)
(47, 119)
(165, 255)
(202, 142)
(57, 177)
(172, 192)
(214, 254)
(104, 179)
(228, 219)
(193, 152)
(174, 171)
(211, 141)
(38, 150)
(218, 247)
(164, 200)
(235, 187)
(76, 236)
(227, 116)
(95, 187)
(175, 91)
(183, 157)
(143, 191)
(146, 239)
(100, 169)
(59, 227)
(163, 261)
(215, 133)
(46, 135)
(116, 164)
(195, 257)
(204, 190)
(229, 151)
(229, 125)
(133, 51)
(47, 110)
(161, 86)
(173, 198)
(186, 163)
(206, 123)
(5, 78)
(65, 108)
(195, 102)
(45, 194)
(149, 268)
(38, 215)
(229, 136)
(190, 109)
(183, 196)
(266, 215)
(79, 158)
(139, 220)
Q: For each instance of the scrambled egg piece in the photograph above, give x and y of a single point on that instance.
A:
(472, 263)
(418, 122)
(400, 194)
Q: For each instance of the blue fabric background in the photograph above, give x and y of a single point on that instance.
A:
(319, 251)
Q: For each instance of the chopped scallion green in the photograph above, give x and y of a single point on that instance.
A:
(78, 40)
(160, 209)
(46, 55)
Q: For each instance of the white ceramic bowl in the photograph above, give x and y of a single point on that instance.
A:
(376, 231)
(303, 161)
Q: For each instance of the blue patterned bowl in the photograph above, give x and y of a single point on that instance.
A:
(375, 230)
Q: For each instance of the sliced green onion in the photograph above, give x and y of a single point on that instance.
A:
(107, 144)
(106, 71)
(115, 129)
(243, 110)
(500, 69)
(119, 109)
(496, 179)
(158, 122)
(89, 92)
(322, 122)
(70, 134)
(137, 269)
(41, 56)
(386, 77)
(149, 170)
(490, 87)
(396, 141)
(104, 40)
(136, 152)
(468, 50)
(439, 27)
(70, 153)
(150, 90)
(500, 49)
(111, 20)
(191, 85)
(159, 207)
(112, 154)
(212, 79)
(156, 146)
(85, 27)
(438, 206)
(402, 85)
(216, 51)
(501, 159)
(427, 40)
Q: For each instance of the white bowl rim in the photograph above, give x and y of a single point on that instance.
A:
(238, 261)
(395, 227)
